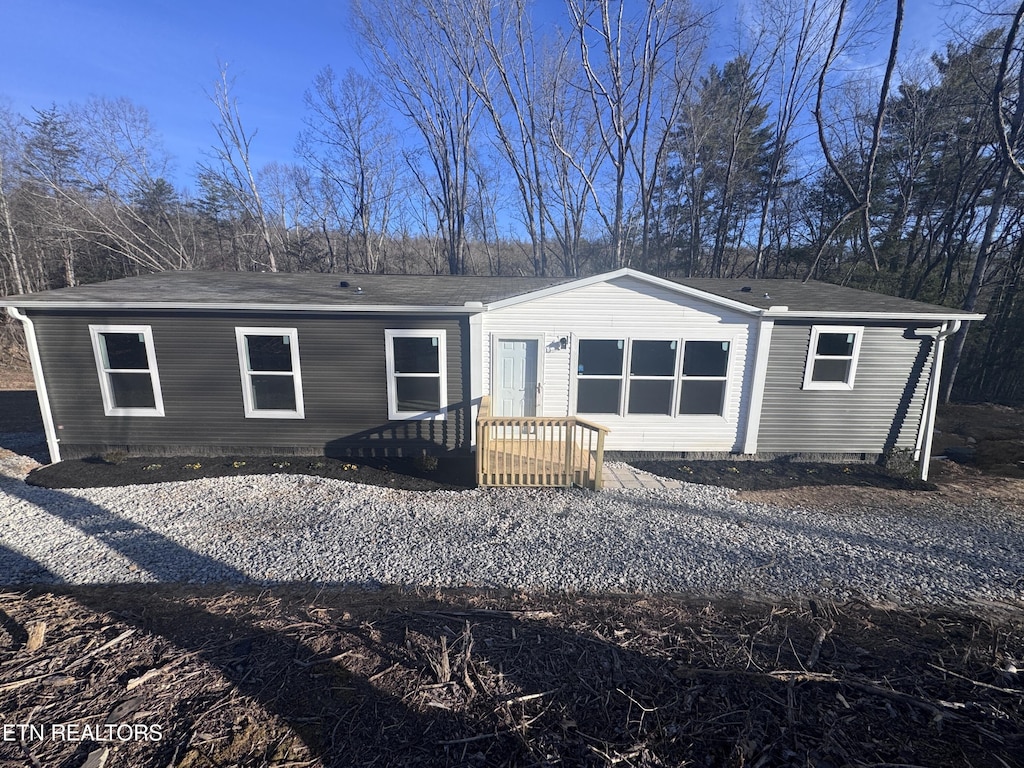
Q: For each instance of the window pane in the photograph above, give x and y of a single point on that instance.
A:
(269, 353)
(125, 350)
(598, 396)
(273, 393)
(702, 397)
(831, 370)
(132, 390)
(416, 354)
(418, 393)
(705, 358)
(650, 397)
(653, 358)
(835, 344)
(600, 358)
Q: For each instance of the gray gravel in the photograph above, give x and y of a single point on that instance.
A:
(698, 539)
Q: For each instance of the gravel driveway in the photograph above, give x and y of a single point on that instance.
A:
(280, 528)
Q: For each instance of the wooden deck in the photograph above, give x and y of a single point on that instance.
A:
(538, 451)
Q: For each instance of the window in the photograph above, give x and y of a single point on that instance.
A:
(652, 374)
(126, 363)
(599, 375)
(416, 366)
(703, 379)
(832, 357)
(271, 379)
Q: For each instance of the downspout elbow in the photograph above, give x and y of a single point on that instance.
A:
(52, 441)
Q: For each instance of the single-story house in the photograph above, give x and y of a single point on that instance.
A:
(234, 362)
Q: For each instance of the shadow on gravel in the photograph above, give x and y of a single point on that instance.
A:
(339, 678)
(162, 557)
(986, 561)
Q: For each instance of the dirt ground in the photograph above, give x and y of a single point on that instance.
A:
(299, 676)
(181, 676)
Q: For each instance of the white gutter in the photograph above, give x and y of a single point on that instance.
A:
(932, 400)
(52, 441)
(784, 313)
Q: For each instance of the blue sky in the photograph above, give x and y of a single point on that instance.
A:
(164, 56)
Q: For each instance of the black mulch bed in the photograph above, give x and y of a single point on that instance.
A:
(405, 474)
(770, 475)
(449, 473)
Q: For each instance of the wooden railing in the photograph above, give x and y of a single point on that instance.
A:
(537, 450)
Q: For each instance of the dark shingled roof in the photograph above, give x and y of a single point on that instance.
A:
(281, 290)
(811, 297)
(289, 289)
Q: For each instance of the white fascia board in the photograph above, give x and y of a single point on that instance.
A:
(604, 277)
(163, 305)
(902, 316)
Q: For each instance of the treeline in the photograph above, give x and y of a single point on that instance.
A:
(494, 138)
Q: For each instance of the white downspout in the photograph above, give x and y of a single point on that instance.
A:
(52, 442)
(933, 394)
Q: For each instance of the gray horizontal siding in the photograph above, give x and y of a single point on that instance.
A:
(342, 359)
(882, 411)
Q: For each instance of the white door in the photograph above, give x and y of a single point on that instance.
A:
(515, 378)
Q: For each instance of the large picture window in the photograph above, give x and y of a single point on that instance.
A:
(634, 377)
(126, 364)
(271, 377)
(416, 379)
(832, 357)
(702, 382)
(599, 375)
(652, 375)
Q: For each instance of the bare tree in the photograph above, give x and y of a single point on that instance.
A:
(407, 40)
(573, 147)
(232, 162)
(350, 144)
(503, 72)
(790, 39)
(859, 197)
(625, 60)
(9, 244)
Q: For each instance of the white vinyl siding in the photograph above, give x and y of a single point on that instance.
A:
(628, 309)
(126, 365)
(417, 381)
(268, 360)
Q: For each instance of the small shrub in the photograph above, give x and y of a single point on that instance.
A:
(195, 465)
(114, 457)
(317, 465)
(282, 464)
(151, 467)
(237, 464)
(425, 462)
(349, 467)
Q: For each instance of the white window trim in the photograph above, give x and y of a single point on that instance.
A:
(727, 378)
(106, 390)
(442, 375)
(673, 377)
(248, 397)
(627, 377)
(816, 331)
(621, 377)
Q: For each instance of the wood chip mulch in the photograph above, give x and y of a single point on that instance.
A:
(200, 676)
